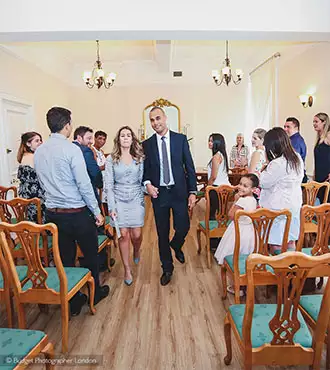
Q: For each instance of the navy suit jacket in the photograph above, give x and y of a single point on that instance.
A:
(182, 165)
(93, 169)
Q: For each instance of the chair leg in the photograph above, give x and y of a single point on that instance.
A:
(199, 242)
(328, 351)
(91, 286)
(108, 252)
(9, 308)
(65, 325)
(227, 332)
(21, 316)
(224, 281)
(208, 253)
(237, 291)
(48, 352)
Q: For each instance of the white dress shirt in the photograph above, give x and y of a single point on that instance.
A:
(168, 148)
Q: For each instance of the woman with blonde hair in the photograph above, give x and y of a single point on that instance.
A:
(29, 186)
(258, 158)
(321, 125)
(123, 185)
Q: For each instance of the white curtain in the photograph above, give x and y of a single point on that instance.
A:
(262, 110)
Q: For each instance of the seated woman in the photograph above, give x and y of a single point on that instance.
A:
(29, 186)
(280, 184)
(258, 158)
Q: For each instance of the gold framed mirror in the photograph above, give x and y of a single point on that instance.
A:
(172, 112)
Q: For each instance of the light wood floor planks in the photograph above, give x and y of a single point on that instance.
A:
(147, 326)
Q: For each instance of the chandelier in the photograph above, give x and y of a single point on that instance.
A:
(225, 74)
(96, 77)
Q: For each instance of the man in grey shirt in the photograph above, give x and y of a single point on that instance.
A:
(70, 200)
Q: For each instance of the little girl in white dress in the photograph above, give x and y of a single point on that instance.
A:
(245, 200)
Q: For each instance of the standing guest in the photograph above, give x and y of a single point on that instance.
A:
(123, 185)
(170, 179)
(217, 173)
(83, 138)
(280, 185)
(29, 186)
(258, 158)
(292, 127)
(239, 154)
(70, 200)
(321, 125)
(100, 138)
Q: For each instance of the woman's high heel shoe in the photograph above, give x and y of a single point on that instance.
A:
(136, 260)
(128, 282)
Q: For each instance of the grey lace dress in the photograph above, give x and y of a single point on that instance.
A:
(123, 186)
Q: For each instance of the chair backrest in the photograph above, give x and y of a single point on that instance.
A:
(17, 208)
(320, 215)
(262, 221)
(225, 194)
(311, 189)
(4, 192)
(291, 270)
(29, 234)
(238, 171)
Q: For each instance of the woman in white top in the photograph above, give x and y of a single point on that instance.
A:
(258, 158)
(217, 168)
(217, 174)
(280, 185)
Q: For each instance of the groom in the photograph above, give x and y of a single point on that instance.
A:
(170, 179)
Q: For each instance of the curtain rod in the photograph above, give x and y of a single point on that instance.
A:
(276, 55)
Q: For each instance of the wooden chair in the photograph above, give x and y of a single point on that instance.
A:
(317, 219)
(311, 189)
(215, 228)
(14, 211)
(277, 334)
(4, 192)
(43, 285)
(19, 347)
(262, 221)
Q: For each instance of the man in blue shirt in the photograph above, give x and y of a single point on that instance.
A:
(70, 200)
(292, 127)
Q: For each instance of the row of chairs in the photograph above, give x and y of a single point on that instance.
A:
(225, 193)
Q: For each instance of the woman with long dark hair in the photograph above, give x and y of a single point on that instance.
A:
(123, 178)
(321, 123)
(280, 185)
(217, 168)
(29, 186)
(217, 171)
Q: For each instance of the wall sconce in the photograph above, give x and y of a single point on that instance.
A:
(306, 100)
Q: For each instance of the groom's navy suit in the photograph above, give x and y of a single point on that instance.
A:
(174, 196)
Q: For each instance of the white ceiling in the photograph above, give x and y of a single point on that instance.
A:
(150, 61)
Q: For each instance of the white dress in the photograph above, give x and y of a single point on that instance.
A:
(227, 244)
(280, 189)
(261, 163)
(222, 175)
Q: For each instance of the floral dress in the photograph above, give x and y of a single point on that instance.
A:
(30, 187)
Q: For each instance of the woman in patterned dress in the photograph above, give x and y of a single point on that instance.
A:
(123, 185)
(29, 186)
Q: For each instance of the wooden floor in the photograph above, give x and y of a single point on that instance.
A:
(147, 326)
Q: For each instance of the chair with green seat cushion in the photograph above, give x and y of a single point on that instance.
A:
(44, 285)
(261, 220)
(22, 345)
(261, 333)
(278, 334)
(215, 228)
